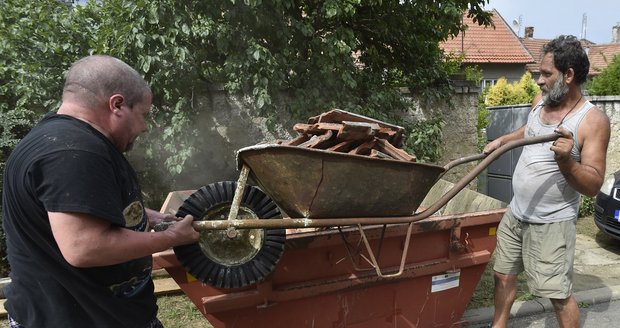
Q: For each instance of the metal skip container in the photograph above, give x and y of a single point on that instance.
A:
(325, 278)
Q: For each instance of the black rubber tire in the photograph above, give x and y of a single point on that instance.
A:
(221, 275)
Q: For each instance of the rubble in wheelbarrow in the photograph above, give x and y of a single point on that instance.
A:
(346, 132)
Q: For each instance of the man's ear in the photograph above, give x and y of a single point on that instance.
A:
(115, 103)
(570, 76)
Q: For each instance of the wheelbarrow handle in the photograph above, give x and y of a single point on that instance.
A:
(501, 150)
(464, 160)
(488, 158)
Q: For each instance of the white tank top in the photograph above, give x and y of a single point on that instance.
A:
(541, 193)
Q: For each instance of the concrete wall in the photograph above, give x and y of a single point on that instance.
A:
(225, 124)
(610, 105)
(460, 137)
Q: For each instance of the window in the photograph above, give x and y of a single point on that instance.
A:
(487, 83)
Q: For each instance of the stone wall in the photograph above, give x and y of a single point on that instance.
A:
(610, 105)
(460, 137)
(225, 123)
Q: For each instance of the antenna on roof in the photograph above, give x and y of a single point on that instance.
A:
(584, 25)
(516, 25)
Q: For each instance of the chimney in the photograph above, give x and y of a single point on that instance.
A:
(529, 32)
(615, 33)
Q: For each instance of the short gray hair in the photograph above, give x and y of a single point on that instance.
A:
(102, 76)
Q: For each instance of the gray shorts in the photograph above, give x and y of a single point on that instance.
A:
(545, 252)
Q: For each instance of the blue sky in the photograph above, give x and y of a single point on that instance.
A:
(551, 18)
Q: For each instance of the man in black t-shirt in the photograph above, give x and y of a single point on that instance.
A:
(78, 235)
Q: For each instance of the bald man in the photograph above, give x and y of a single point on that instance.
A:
(78, 235)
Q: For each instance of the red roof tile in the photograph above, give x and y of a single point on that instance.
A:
(481, 44)
(535, 48)
(601, 55)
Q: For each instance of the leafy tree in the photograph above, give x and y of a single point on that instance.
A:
(608, 82)
(257, 47)
(503, 93)
(38, 39)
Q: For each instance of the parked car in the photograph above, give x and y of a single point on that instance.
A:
(607, 207)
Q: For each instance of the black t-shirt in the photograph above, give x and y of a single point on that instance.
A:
(65, 165)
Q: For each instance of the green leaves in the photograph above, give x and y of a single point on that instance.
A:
(38, 40)
(521, 92)
(349, 54)
(425, 140)
(608, 82)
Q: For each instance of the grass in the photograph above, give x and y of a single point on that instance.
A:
(175, 311)
(483, 295)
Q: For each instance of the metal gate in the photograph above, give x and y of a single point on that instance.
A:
(497, 181)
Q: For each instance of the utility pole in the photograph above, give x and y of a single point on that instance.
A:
(584, 25)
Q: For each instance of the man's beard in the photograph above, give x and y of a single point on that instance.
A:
(554, 96)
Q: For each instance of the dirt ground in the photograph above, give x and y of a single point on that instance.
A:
(597, 258)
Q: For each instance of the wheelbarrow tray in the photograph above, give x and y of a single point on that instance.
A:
(315, 183)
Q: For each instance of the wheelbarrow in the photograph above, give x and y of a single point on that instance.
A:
(243, 234)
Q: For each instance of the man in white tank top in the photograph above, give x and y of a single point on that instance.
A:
(537, 233)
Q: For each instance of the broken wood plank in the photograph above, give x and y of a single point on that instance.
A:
(355, 131)
(297, 140)
(397, 153)
(317, 128)
(317, 140)
(377, 154)
(338, 115)
(343, 146)
(363, 149)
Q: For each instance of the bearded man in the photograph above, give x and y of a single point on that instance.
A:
(537, 233)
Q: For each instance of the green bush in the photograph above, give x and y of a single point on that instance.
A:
(521, 92)
(608, 82)
(587, 206)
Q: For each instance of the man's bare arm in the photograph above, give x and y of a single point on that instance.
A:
(87, 241)
(588, 176)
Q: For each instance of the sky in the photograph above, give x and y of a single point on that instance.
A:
(551, 18)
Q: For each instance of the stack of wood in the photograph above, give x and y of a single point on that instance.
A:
(345, 132)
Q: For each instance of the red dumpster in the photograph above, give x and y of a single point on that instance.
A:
(325, 277)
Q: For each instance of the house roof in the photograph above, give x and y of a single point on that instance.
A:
(535, 48)
(480, 44)
(600, 55)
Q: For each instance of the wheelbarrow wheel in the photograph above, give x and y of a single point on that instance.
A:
(225, 262)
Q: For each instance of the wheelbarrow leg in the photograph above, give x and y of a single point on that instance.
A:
(354, 252)
(375, 264)
(231, 232)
